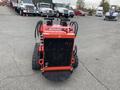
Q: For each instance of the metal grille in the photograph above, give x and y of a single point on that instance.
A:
(58, 51)
(50, 11)
(71, 13)
(66, 11)
(30, 8)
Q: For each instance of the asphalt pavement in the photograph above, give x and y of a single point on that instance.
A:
(98, 44)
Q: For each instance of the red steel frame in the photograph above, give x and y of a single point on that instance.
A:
(51, 32)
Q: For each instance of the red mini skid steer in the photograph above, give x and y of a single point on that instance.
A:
(56, 54)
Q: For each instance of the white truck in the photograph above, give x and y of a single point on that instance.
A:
(62, 10)
(45, 9)
(99, 11)
(24, 7)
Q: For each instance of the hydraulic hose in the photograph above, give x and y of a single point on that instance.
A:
(75, 25)
(75, 50)
(38, 26)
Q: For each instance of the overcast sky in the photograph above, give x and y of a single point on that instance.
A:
(89, 3)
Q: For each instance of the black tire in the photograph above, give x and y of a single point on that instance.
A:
(58, 14)
(75, 65)
(21, 13)
(24, 14)
(115, 19)
(42, 15)
(72, 16)
(16, 9)
(35, 58)
(34, 14)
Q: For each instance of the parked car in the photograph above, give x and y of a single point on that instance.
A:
(26, 7)
(45, 9)
(111, 15)
(79, 13)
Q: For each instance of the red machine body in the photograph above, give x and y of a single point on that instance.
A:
(55, 31)
(56, 55)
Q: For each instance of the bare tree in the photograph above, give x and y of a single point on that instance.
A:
(80, 4)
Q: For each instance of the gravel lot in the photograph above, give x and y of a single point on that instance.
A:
(99, 55)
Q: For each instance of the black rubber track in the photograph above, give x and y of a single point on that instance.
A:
(35, 58)
(75, 65)
(57, 76)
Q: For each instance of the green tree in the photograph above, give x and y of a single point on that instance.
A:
(105, 5)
